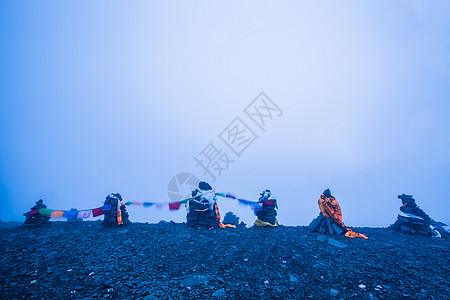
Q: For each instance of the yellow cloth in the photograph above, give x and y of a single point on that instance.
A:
(258, 222)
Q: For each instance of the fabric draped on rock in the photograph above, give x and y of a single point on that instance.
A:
(413, 220)
(268, 213)
(38, 215)
(117, 213)
(201, 209)
(329, 220)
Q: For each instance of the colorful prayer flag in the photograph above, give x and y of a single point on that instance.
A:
(84, 214)
(174, 205)
(256, 206)
(70, 214)
(230, 195)
(46, 212)
(185, 201)
(106, 207)
(148, 204)
(97, 212)
(57, 214)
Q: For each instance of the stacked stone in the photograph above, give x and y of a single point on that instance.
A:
(201, 211)
(36, 218)
(231, 218)
(115, 200)
(412, 219)
(268, 212)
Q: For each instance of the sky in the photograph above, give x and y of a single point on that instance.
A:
(107, 96)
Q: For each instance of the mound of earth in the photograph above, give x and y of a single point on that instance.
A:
(170, 261)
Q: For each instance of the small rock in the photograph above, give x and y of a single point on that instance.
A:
(219, 293)
(192, 280)
(221, 280)
(322, 238)
(292, 278)
(318, 265)
(334, 292)
(335, 243)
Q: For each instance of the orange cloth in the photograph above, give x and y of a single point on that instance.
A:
(119, 216)
(57, 214)
(330, 208)
(221, 225)
(352, 234)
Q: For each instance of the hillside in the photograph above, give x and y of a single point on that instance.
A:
(170, 261)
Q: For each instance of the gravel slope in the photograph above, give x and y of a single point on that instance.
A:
(170, 261)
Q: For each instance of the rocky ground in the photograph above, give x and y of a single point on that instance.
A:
(170, 261)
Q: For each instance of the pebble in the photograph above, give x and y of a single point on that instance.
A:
(334, 292)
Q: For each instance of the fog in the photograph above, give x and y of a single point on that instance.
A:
(100, 97)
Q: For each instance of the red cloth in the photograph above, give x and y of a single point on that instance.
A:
(174, 205)
(269, 203)
(33, 211)
(97, 212)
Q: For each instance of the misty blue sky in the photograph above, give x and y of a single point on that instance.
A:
(99, 97)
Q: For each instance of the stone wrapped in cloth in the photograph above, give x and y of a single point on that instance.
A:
(413, 220)
(34, 217)
(329, 220)
(203, 209)
(117, 213)
(268, 213)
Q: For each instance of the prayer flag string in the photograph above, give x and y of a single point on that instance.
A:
(95, 212)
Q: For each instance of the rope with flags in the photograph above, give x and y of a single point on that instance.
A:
(96, 212)
(255, 206)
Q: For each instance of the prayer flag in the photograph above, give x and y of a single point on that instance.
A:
(33, 211)
(185, 201)
(84, 214)
(256, 206)
(70, 214)
(45, 211)
(97, 212)
(230, 195)
(174, 205)
(57, 214)
(106, 207)
(148, 204)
